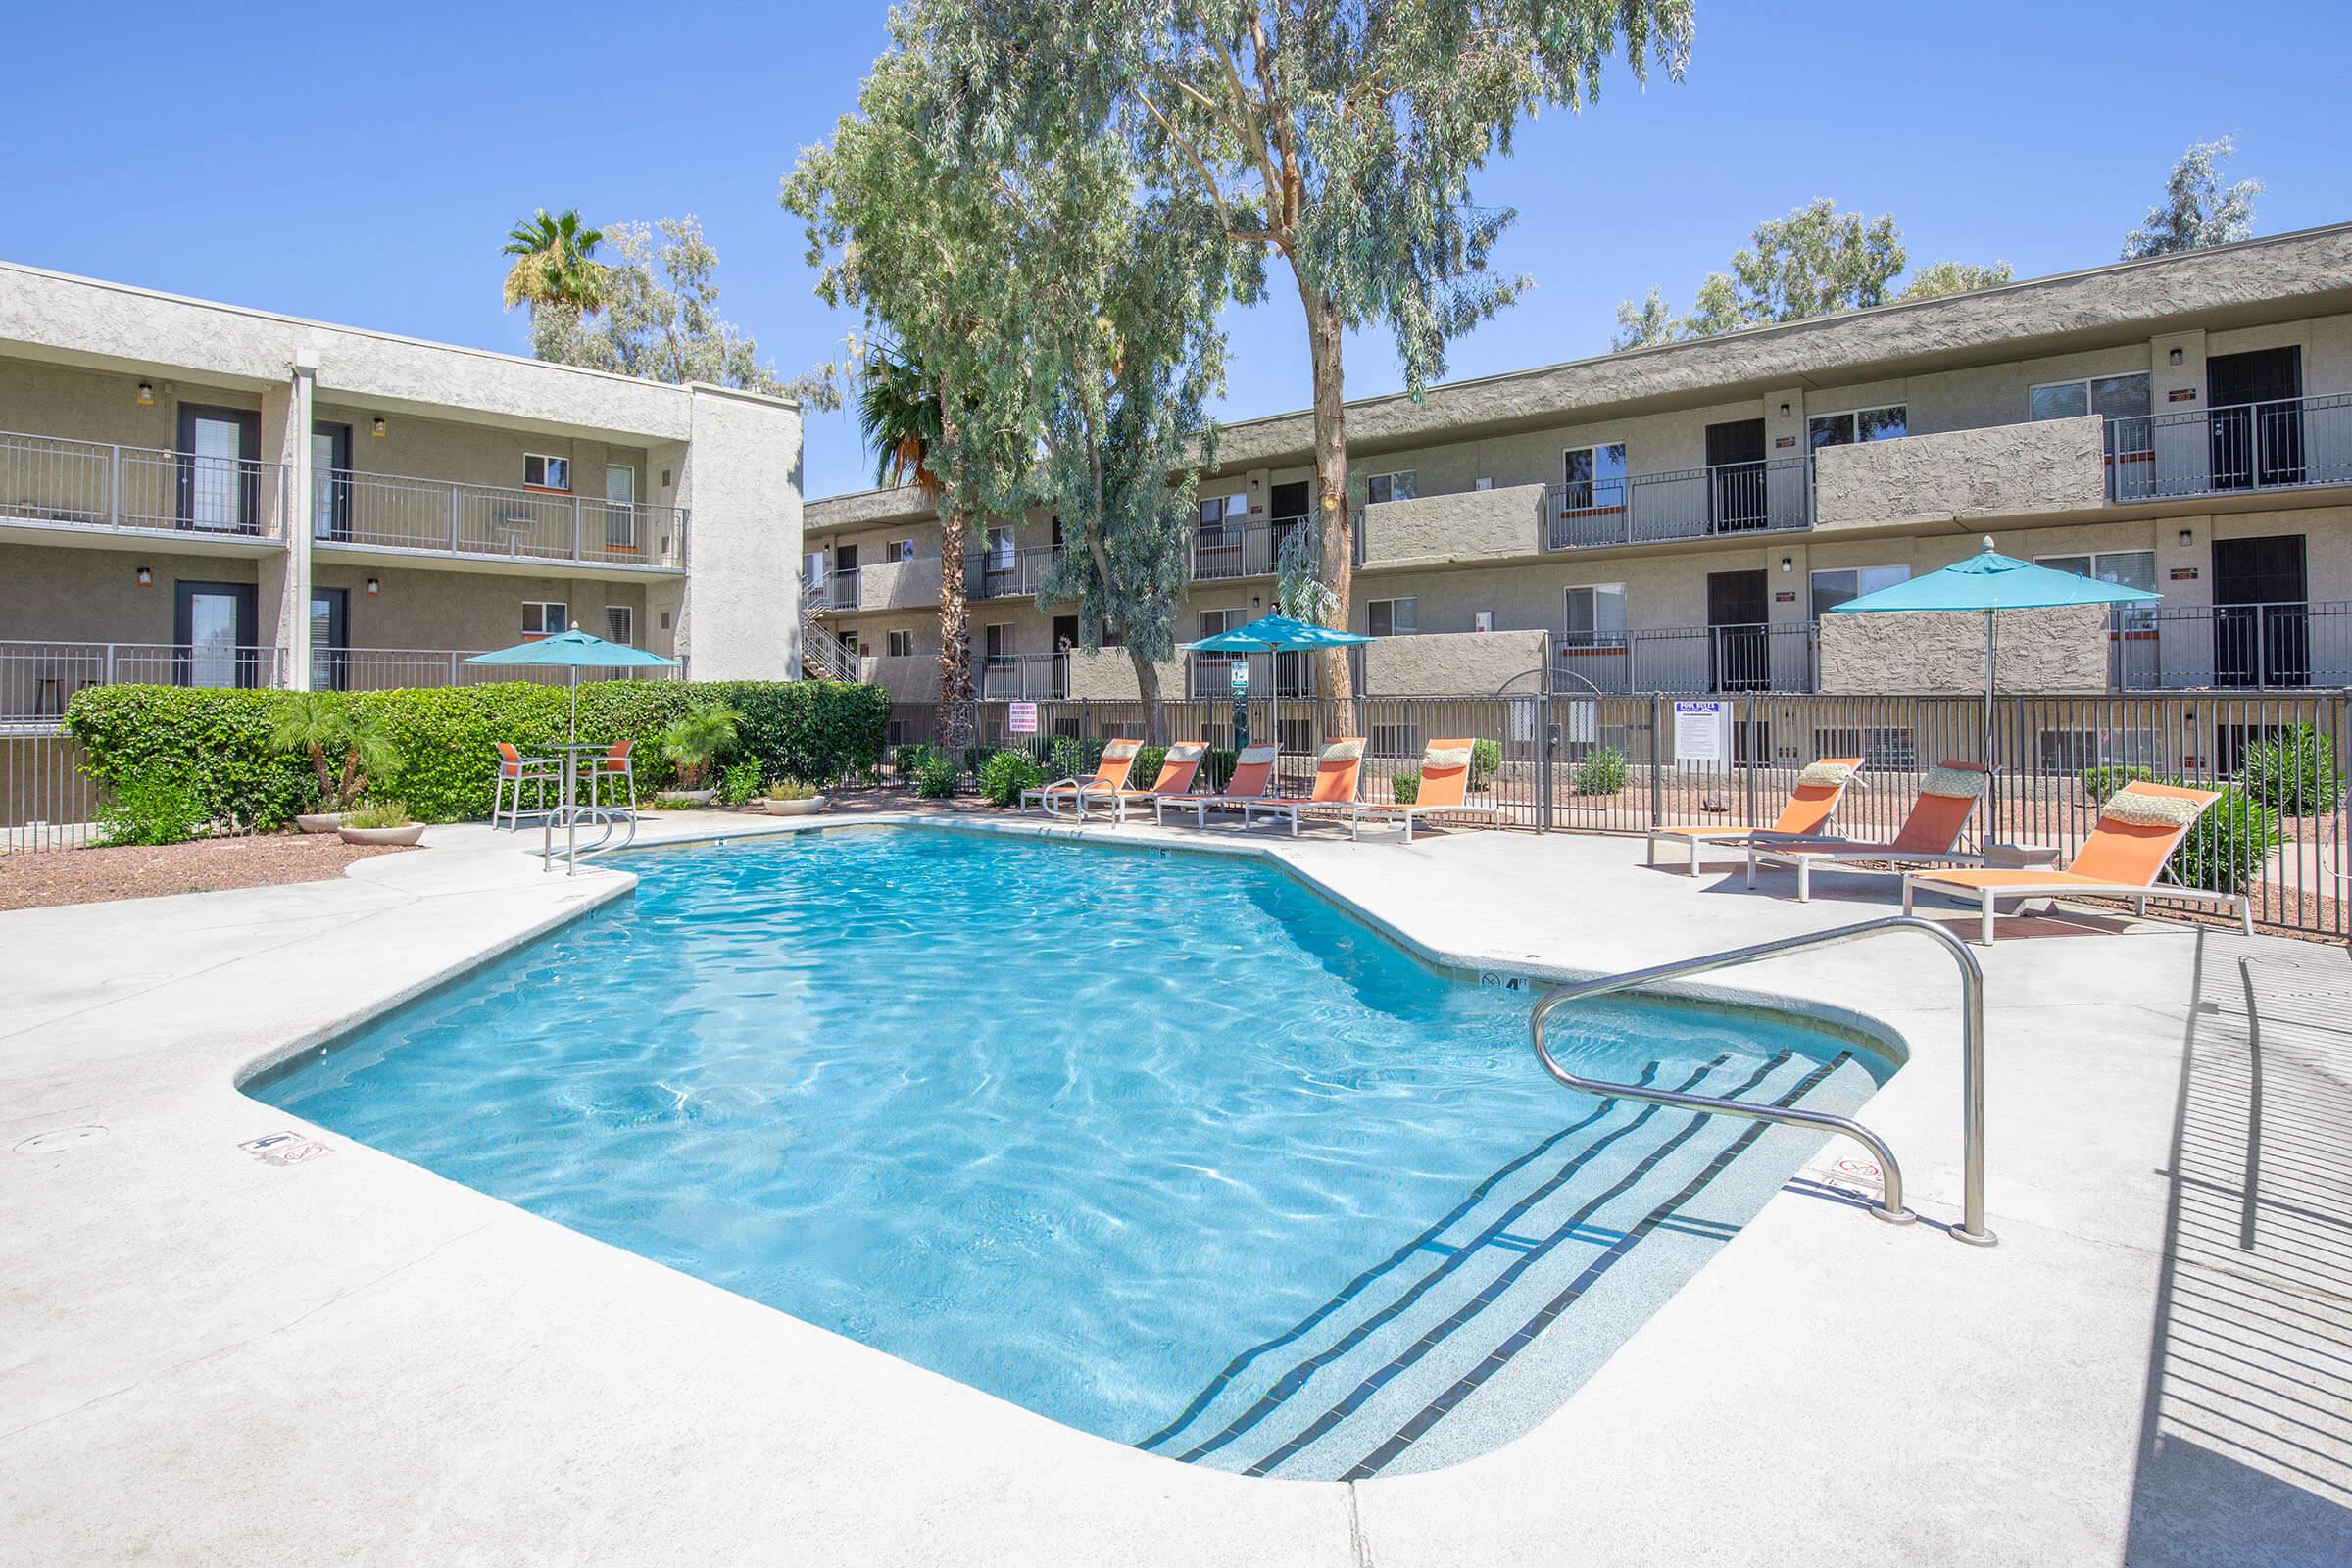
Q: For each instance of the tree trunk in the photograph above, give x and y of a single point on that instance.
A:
(1335, 528)
(955, 636)
(1155, 705)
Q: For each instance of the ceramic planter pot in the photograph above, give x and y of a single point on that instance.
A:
(808, 807)
(321, 821)
(695, 797)
(383, 835)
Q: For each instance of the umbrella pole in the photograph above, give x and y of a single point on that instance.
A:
(1992, 829)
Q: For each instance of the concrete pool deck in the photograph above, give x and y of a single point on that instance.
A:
(205, 1356)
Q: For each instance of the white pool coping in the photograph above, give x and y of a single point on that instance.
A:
(203, 1355)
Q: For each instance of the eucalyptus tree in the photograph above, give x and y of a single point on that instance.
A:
(2196, 210)
(906, 230)
(1341, 138)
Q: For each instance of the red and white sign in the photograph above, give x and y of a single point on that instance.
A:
(1021, 718)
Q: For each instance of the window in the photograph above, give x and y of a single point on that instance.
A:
(812, 569)
(2122, 400)
(1000, 548)
(899, 550)
(1595, 477)
(997, 641)
(546, 473)
(1857, 424)
(898, 643)
(1214, 623)
(621, 626)
(1597, 615)
(2126, 569)
(2071, 751)
(1882, 748)
(1394, 740)
(1834, 588)
(543, 618)
(1221, 517)
(1395, 618)
(1399, 486)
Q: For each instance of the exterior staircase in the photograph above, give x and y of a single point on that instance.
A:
(823, 655)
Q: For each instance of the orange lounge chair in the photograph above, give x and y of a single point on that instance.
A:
(1110, 775)
(1176, 770)
(2139, 828)
(1338, 766)
(1930, 833)
(1252, 781)
(1811, 807)
(1445, 790)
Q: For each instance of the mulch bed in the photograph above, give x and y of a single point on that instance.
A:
(46, 878)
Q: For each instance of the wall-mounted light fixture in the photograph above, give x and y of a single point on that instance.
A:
(146, 577)
(375, 587)
(664, 478)
(1784, 411)
(2188, 536)
(2178, 357)
(1788, 562)
(146, 393)
(377, 428)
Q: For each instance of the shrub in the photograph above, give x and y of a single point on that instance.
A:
(1485, 760)
(1149, 760)
(347, 750)
(214, 742)
(1072, 757)
(1006, 774)
(2229, 844)
(698, 738)
(2293, 772)
(740, 782)
(151, 807)
(792, 789)
(1405, 788)
(1600, 772)
(935, 776)
(382, 813)
(907, 759)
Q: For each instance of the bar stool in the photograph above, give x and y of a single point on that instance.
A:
(516, 770)
(614, 765)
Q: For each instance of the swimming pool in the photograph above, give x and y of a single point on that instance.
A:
(1166, 1148)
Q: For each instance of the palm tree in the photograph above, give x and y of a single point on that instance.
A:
(899, 418)
(554, 263)
(348, 749)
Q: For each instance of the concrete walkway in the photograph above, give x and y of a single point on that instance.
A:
(208, 1356)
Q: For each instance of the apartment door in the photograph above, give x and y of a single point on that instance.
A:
(2254, 400)
(1290, 506)
(330, 480)
(2261, 620)
(1736, 499)
(220, 468)
(1065, 638)
(845, 577)
(1738, 655)
(330, 639)
(621, 508)
(212, 622)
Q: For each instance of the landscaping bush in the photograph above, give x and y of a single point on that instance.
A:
(151, 807)
(2293, 772)
(2226, 850)
(1405, 789)
(2098, 783)
(1485, 760)
(907, 759)
(740, 782)
(1600, 772)
(381, 814)
(1149, 760)
(935, 776)
(1006, 774)
(1072, 757)
(219, 742)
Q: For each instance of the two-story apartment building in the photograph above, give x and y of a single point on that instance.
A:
(1679, 518)
(212, 494)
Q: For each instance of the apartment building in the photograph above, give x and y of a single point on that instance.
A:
(210, 495)
(1679, 518)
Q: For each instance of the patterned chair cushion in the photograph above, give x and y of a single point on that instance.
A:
(1450, 756)
(2138, 808)
(1186, 752)
(1341, 751)
(1824, 773)
(1119, 750)
(1256, 755)
(1959, 783)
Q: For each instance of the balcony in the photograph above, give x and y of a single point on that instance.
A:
(1731, 498)
(1228, 551)
(1458, 525)
(1988, 472)
(385, 669)
(1008, 573)
(1208, 677)
(439, 517)
(2287, 646)
(1691, 661)
(2292, 444)
(97, 485)
(37, 679)
(1021, 677)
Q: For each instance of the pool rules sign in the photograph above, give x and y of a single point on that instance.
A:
(1020, 719)
(1702, 735)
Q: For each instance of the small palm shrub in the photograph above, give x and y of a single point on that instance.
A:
(152, 807)
(1006, 774)
(347, 748)
(1600, 772)
(696, 738)
(2293, 772)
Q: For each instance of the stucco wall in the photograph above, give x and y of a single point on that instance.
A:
(739, 619)
(1455, 664)
(1464, 525)
(2011, 469)
(1109, 674)
(2041, 651)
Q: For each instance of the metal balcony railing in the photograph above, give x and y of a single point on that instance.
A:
(2293, 443)
(1770, 497)
(1021, 677)
(1691, 661)
(1008, 573)
(384, 670)
(396, 512)
(37, 679)
(1208, 677)
(2194, 647)
(98, 484)
(1240, 550)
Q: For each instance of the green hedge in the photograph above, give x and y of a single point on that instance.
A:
(219, 741)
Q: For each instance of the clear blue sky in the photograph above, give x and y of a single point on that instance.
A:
(362, 164)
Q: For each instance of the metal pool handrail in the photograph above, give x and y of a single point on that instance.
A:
(1972, 1060)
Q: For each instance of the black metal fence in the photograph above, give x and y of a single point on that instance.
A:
(1625, 764)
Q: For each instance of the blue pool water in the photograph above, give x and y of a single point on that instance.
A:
(1162, 1147)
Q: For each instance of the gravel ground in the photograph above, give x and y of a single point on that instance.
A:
(40, 879)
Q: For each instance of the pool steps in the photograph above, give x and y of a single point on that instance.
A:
(1460, 1313)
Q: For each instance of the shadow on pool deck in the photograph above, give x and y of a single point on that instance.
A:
(2246, 1431)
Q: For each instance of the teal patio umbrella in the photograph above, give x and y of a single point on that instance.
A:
(1988, 583)
(1276, 634)
(574, 651)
